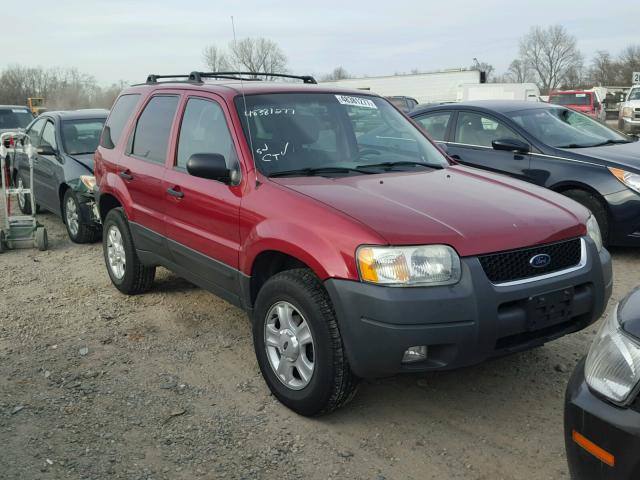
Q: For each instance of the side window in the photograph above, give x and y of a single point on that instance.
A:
(476, 129)
(435, 124)
(34, 131)
(151, 137)
(204, 130)
(49, 135)
(120, 113)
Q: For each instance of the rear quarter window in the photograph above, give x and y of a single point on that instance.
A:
(120, 113)
(151, 136)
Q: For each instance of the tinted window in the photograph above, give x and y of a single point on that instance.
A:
(151, 137)
(435, 124)
(34, 131)
(204, 130)
(14, 118)
(49, 135)
(348, 134)
(476, 129)
(571, 99)
(120, 113)
(634, 94)
(81, 136)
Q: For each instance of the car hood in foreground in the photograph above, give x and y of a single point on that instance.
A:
(473, 211)
(85, 159)
(622, 155)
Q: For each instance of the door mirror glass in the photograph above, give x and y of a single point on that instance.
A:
(209, 165)
(510, 145)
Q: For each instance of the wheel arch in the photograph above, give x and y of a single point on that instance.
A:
(106, 203)
(574, 185)
(267, 264)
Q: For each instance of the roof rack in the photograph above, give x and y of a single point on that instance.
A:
(198, 76)
(153, 78)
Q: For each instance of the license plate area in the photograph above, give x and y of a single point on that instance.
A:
(549, 308)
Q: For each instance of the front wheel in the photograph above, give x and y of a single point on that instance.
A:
(79, 232)
(126, 271)
(298, 344)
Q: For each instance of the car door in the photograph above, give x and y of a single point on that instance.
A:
(471, 145)
(202, 215)
(44, 169)
(143, 166)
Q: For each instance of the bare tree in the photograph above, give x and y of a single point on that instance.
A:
(628, 62)
(552, 53)
(485, 67)
(603, 68)
(258, 55)
(338, 73)
(519, 71)
(215, 59)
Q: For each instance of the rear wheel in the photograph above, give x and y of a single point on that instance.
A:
(595, 206)
(126, 271)
(79, 232)
(298, 344)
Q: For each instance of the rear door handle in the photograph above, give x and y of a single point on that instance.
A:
(126, 175)
(175, 193)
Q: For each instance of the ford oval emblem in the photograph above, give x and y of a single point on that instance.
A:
(540, 261)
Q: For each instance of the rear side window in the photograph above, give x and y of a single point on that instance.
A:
(120, 113)
(435, 124)
(478, 130)
(151, 137)
(204, 130)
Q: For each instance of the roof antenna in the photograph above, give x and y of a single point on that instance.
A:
(244, 99)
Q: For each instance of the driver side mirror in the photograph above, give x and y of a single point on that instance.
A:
(45, 149)
(212, 166)
(511, 145)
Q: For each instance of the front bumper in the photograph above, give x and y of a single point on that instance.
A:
(624, 218)
(461, 324)
(613, 429)
(630, 125)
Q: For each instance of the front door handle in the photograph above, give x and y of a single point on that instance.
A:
(126, 175)
(175, 193)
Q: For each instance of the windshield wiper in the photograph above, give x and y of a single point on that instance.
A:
(611, 142)
(389, 165)
(308, 172)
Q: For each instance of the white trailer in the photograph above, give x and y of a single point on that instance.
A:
(499, 91)
(433, 87)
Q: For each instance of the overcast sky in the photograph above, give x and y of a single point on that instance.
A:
(120, 39)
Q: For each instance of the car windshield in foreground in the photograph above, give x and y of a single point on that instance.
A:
(571, 99)
(305, 134)
(14, 118)
(564, 128)
(81, 136)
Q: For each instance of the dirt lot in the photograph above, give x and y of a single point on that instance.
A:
(94, 384)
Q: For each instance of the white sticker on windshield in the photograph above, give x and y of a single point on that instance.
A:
(580, 95)
(19, 110)
(355, 101)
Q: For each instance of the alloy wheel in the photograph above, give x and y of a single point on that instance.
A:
(115, 252)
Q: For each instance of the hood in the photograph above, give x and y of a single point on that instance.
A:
(473, 211)
(85, 159)
(624, 155)
(632, 103)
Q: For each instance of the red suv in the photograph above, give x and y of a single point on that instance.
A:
(358, 248)
(582, 101)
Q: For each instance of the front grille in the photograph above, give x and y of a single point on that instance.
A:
(515, 264)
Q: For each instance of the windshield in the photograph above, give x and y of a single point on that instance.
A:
(328, 134)
(570, 99)
(634, 94)
(11, 118)
(564, 128)
(81, 136)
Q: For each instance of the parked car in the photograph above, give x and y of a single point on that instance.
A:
(405, 104)
(354, 259)
(551, 146)
(583, 101)
(602, 405)
(63, 178)
(13, 118)
(629, 119)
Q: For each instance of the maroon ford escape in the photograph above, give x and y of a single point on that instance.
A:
(356, 246)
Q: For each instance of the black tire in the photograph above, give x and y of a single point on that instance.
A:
(84, 233)
(2, 246)
(332, 383)
(25, 207)
(41, 240)
(137, 278)
(591, 202)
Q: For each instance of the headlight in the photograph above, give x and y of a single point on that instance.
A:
(593, 230)
(89, 181)
(613, 363)
(409, 266)
(631, 180)
(627, 112)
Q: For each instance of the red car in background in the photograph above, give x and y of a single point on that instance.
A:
(586, 102)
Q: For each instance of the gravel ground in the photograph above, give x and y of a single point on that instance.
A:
(94, 384)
